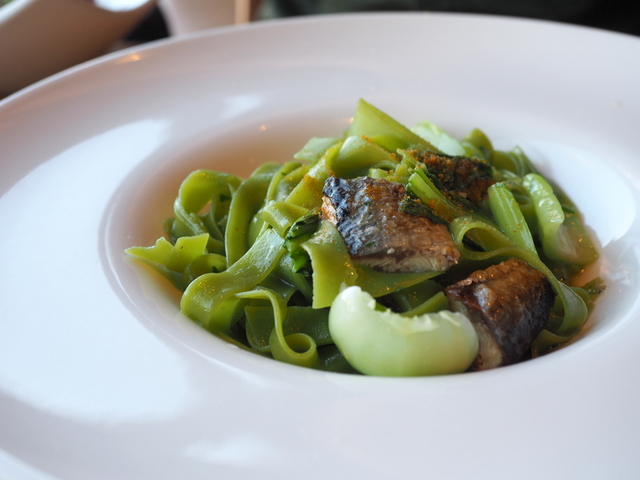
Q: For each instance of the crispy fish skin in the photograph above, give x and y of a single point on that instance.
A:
(378, 234)
(508, 305)
(460, 176)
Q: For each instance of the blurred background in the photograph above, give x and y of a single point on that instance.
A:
(616, 15)
(41, 37)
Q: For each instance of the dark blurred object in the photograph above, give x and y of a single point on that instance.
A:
(153, 27)
(617, 15)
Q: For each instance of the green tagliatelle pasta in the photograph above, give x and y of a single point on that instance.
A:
(259, 267)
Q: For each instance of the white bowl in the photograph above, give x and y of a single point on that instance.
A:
(101, 377)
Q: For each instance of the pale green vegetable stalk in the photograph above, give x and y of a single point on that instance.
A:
(509, 217)
(384, 130)
(438, 138)
(384, 343)
(563, 237)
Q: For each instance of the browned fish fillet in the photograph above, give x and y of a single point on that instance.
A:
(378, 234)
(508, 304)
(460, 176)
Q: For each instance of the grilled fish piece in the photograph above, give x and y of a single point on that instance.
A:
(459, 176)
(508, 304)
(378, 234)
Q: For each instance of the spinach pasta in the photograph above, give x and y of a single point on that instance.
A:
(386, 251)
